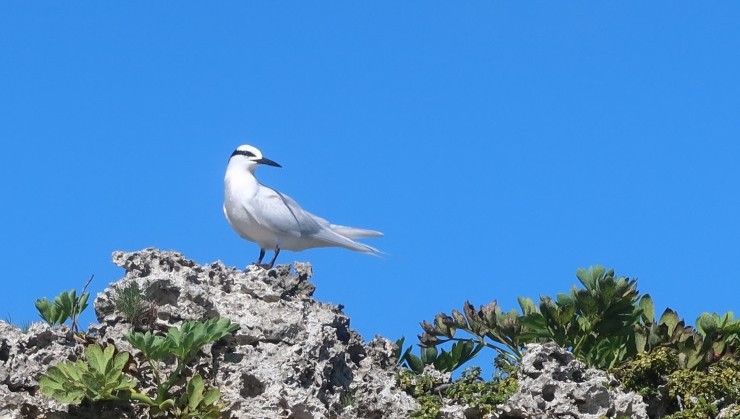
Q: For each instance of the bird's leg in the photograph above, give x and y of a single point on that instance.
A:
(262, 256)
(272, 262)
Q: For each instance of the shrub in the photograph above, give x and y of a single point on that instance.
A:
(470, 390)
(102, 377)
(131, 303)
(66, 306)
(603, 324)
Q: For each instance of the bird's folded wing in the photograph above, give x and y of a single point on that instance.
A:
(280, 213)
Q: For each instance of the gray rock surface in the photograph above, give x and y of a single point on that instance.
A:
(23, 357)
(553, 384)
(293, 357)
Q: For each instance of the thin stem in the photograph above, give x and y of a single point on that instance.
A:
(75, 306)
(582, 340)
(504, 340)
(155, 371)
(135, 395)
(163, 388)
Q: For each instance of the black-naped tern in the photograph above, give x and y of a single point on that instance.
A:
(272, 219)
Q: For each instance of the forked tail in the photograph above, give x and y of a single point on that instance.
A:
(354, 233)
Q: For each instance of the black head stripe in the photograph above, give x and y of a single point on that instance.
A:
(243, 153)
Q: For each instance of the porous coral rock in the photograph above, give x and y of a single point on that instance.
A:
(552, 383)
(293, 357)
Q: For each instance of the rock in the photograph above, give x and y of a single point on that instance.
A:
(730, 412)
(23, 358)
(453, 412)
(552, 383)
(292, 357)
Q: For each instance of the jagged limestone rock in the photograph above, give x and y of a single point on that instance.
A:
(23, 357)
(293, 357)
(552, 383)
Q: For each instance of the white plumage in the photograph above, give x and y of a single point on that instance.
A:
(272, 219)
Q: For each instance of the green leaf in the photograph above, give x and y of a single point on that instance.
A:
(415, 363)
(590, 277)
(441, 325)
(60, 386)
(648, 309)
(81, 304)
(460, 321)
(565, 299)
(97, 378)
(154, 348)
(428, 355)
(167, 404)
(64, 303)
(211, 396)
(527, 305)
(195, 392)
(46, 311)
(96, 358)
(191, 336)
(706, 324)
(641, 342)
(670, 319)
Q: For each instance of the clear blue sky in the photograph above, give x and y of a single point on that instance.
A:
(499, 145)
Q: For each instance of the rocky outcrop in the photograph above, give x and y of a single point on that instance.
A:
(292, 357)
(553, 384)
(25, 356)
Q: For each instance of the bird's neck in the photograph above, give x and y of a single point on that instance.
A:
(240, 179)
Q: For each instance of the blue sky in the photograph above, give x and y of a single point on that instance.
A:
(499, 145)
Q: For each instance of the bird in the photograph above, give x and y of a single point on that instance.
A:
(274, 220)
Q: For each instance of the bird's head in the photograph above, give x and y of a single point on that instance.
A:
(249, 157)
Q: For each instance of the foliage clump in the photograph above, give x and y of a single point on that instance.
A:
(469, 390)
(66, 306)
(648, 372)
(705, 392)
(608, 325)
(132, 304)
(442, 360)
(99, 378)
(687, 393)
(604, 324)
(103, 375)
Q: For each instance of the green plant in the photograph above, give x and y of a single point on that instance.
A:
(198, 403)
(25, 326)
(706, 391)
(604, 324)
(102, 377)
(182, 344)
(131, 303)
(348, 399)
(596, 323)
(607, 324)
(460, 353)
(714, 338)
(469, 390)
(422, 387)
(66, 305)
(648, 372)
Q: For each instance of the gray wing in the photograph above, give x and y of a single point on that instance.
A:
(281, 213)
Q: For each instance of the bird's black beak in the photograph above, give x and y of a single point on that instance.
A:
(267, 162)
